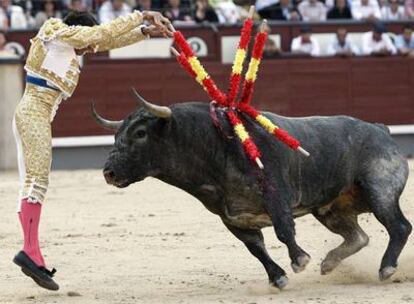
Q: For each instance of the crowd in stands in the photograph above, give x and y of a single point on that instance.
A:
(376, 42)
(314, 10)
(21, 14)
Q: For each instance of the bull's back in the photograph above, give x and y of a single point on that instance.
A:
(337, 134)
(341, 148)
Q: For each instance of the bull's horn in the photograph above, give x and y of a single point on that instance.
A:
(159, 111)
(107, 124)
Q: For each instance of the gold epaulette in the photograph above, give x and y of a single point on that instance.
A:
(51, 28)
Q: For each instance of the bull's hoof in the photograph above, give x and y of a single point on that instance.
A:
(328, 265)
(280, 282)
(301, 263)
(387, 272)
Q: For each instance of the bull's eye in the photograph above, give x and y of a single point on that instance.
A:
(141, 134)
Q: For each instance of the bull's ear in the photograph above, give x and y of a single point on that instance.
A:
(159, 111)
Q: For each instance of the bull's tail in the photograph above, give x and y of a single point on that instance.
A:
(383, 127)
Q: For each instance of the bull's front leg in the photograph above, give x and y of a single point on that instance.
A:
(279, 208)
(253, 239)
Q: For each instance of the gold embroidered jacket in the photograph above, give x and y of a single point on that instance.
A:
(52, 54)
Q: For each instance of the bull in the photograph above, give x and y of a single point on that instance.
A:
(355, 167)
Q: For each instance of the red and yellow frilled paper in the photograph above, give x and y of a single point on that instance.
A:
(192, 65)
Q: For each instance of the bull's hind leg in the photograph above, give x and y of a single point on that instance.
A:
(381, 189)
(398, 229)
(390, 215)
(347, 226)
(253, 239)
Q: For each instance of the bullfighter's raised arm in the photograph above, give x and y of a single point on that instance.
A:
(98, 37)
(122, 31)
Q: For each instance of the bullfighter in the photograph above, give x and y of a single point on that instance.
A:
(53, 71)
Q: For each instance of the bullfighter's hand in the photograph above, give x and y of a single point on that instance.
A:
(159, 21)
(152, 31)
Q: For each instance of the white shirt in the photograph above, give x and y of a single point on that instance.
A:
(227, 12)
(387, 14)
(18, 19)
(261, 4)
(312, 12)
(107, 13)
(369, 45)
(311, 48)
(364, 11)
(335, 48)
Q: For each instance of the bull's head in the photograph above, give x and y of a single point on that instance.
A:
(139, 141)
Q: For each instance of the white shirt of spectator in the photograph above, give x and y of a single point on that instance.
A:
(227, 12)
(261, 4)
(369, 45)
(18, 19)
(387, 14)
(312, 11)
(329, 4)
(311, 48)
(335, 48)
(400, 43)
(409, 8)
(107, 13)
(364, 11)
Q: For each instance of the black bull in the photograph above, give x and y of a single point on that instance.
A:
(354, 167)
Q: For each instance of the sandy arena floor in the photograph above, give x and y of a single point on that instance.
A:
(152, 243)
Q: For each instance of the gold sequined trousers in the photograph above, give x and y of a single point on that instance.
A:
(32, 130)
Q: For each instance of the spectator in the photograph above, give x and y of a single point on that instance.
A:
(111, 9)
(5, 51)
(340, 11)
(48, 11)
(305, 43)
(341, 46)
(265, 8)
(78, 6)
(377, 42)
(392, 11)
(365, 10)
(283, 10)
(227, 11)
(25, 5)
(175, 13)
(204, 12)
(405, 42)
(38, 6)
(409, 8)
(270, 48)
(12, 16)
(143, 5)
(312, 10)
(130, 3)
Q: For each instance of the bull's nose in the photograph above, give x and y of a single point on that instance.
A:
(109, 176)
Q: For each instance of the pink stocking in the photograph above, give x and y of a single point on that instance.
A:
(30, 218)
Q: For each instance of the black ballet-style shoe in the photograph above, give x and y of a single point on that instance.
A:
(40, 275)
